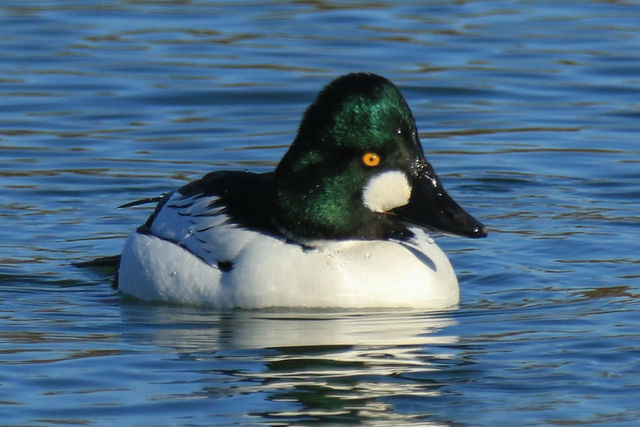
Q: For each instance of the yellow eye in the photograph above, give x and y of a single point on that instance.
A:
(371, 159)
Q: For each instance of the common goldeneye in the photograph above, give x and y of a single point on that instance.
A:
(339, 223)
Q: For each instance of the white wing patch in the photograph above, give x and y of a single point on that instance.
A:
(386, 191)
(194, 223)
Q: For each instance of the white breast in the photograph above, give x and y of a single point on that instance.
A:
(270, 272)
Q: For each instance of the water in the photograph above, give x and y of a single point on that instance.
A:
(528, 111)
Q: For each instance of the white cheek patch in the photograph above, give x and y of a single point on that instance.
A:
(386, 191)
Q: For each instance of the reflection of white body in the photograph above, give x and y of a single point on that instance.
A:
(271, 272)
(343, 354)
(273, 360)
(193, 330)
(260, 330)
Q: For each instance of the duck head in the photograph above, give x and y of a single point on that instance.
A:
(357, 170)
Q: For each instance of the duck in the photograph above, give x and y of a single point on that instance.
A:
(342, 222)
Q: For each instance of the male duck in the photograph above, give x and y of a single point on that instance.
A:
(339, 223)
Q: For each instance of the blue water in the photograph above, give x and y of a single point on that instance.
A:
(528, 110)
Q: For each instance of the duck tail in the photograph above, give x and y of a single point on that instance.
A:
(107, 262)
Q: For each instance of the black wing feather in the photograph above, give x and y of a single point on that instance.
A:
(246, 197)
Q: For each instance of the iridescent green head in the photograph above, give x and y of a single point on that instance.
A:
(356, 169)
(353, 112)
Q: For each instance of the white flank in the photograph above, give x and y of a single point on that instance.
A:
(269, 272)
(386, 191)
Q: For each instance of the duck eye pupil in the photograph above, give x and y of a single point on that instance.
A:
(399, 131)
(371, 159)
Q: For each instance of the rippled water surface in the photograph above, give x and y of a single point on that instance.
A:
(528, 110)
